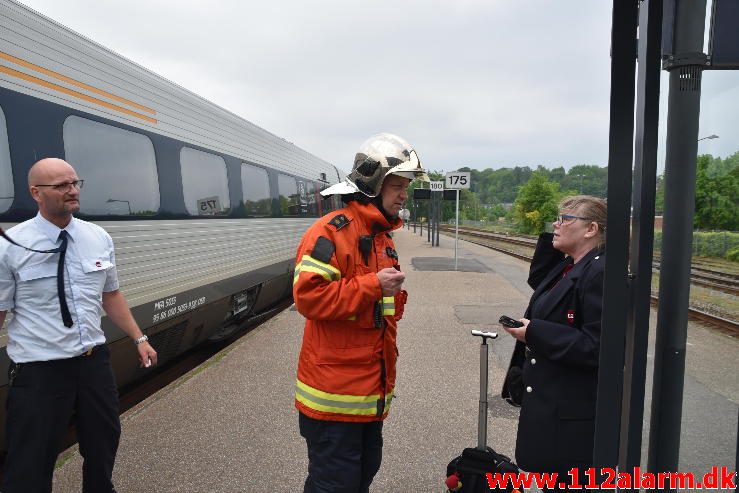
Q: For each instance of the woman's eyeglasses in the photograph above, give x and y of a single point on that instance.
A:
(65, 187)
(563, 218)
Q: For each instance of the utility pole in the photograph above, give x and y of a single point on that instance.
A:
(685, 62)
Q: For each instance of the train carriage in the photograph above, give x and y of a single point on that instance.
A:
(205, 208)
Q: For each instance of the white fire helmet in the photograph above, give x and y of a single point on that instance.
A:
(380, 155)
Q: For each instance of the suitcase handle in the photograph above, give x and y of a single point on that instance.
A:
(482, 416)
(484, 335)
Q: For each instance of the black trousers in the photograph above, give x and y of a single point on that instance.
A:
(44, 398)
(342, 457)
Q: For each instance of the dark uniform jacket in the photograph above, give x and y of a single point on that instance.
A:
(559, 361)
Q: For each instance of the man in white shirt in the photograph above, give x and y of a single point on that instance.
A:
(60, 366)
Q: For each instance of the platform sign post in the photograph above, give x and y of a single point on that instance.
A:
(421, 194)
(456, 232)
(437, 187)
(457, 180)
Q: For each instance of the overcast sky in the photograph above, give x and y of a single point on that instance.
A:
(479, 83)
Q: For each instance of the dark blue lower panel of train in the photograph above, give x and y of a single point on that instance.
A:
(185, 320)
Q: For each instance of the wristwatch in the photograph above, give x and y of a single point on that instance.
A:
(141, 339)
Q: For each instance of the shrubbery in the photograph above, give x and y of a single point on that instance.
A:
(722, 244)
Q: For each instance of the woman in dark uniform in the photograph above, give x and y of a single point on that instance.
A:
(554, 369)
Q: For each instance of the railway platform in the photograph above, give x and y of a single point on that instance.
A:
(231, 426)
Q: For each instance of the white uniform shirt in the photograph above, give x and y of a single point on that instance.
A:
(28, 287)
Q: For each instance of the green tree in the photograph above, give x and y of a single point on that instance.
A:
(587, 179)
(659, 198)
(536, 204)
(469, 205)
(558, 175)
(495, 212)
(716, 192)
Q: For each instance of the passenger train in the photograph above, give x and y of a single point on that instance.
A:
(205, 208)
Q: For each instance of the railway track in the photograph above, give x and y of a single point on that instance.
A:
(699, 276)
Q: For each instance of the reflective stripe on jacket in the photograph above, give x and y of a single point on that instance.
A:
(346, 368)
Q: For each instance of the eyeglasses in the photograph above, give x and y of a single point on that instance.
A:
(65, 187)
(562, 218)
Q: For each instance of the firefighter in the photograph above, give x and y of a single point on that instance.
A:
(348, 287)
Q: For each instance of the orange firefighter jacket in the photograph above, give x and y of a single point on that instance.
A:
(346, 368)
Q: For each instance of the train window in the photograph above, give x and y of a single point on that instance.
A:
(255, 183)
(118, 166)
(330, 203)
(336, 202)
(6, 171)
(309, 199)
(289, 197)
(204, 183)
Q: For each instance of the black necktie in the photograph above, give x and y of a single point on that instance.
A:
(66, 317)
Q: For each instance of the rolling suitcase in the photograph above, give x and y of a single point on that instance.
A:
(467, 473)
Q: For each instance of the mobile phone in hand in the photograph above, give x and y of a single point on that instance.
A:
(507, 321)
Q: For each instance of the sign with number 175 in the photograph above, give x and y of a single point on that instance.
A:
(458, 179)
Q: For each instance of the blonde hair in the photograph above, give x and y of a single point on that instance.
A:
(592, 208)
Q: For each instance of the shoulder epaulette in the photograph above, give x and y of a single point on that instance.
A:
(339, 221)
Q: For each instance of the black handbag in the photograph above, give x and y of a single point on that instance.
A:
(471, 468)
(514, 385)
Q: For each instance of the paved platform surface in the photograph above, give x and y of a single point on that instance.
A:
(230, 426)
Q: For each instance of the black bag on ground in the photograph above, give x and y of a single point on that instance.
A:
(472, 467)
(468, 472)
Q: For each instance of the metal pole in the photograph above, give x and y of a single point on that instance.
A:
(430, 218)
(615, 289)
(415, 216)
(685, 69)
(432, 215)
(435, 233)
(436, 220)
(456, 233)
(482, 416)
(433, 219)
(642, 227)
(439, 204)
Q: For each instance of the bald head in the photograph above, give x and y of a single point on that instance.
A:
(45, 170)
(55, 203)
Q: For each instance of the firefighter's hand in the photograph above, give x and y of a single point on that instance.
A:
(391, 281)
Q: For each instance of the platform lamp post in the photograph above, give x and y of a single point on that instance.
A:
(126, 201)
(685, 63)
(415, 215)
(710, 137)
